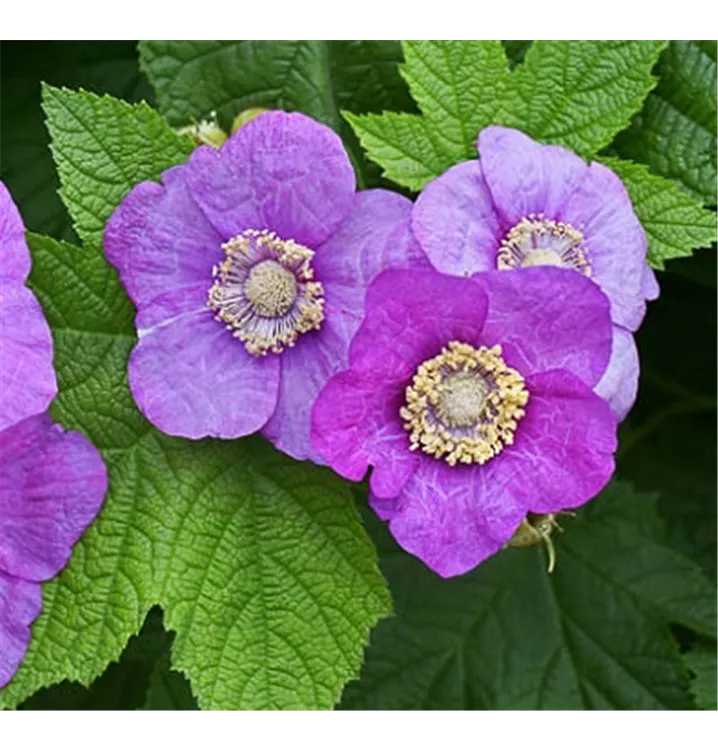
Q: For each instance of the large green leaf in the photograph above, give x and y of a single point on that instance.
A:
(509, 635)
(194, 78)
(260, 563)
(578, 94)
(675, 133)
(25, 162)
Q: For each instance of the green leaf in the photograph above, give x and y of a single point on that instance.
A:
(675, 222)
(510, 636)
(26, 165)
(122, 687)
(460, 87)
(675, 133)
(260, 563)
(194, 78)
(702, 662)
(102, 147)
(168, 690)
(577, 94)
(401, 144)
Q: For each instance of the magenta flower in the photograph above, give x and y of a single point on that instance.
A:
(248, 267)
(52, 482)
(526, 204)
(472, 400)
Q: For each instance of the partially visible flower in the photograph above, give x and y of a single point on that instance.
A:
(248, 267)
(27, 379)
(472, 400)
(52, 482)
(525, 204)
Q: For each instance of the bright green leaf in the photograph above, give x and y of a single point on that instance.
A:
(510, 636)
(675, 133)
(575, 93)
(260, 563)
(401, 144)
(579, 94)
(102, 148)
(676, 223)
(459, 87)
(702, 662)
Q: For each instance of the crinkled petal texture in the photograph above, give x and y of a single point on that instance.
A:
(20, 606)
(27, 377)
(52, 485)
(374, 236)
(454, 517)
(461, 217)
(284, 172)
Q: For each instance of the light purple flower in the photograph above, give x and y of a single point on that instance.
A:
(526, 204)
(465, 439)
(27, 379)
(52, 482)
(248, 267)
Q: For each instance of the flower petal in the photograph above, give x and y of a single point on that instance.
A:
(454, 517)
(52, 486)
(601, 209)
(20, 606)
(356, 423)
(619, 384)
(283, 172)
(190, 377)
(526, 177)
(411, 315)
(14, 252)
(563, 450)
(455, 221)
(159, 240)
(649, 284)
(374, 236)
(27, 376)
(548, 318)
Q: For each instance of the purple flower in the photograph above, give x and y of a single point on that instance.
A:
(472, 400)
(27, 379)
(248, 267)
(52, 482)
(525, 204)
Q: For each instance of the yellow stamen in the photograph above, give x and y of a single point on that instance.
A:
(265, 293)
(536, 241)
(464, 405)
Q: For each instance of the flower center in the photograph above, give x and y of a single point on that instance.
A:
(535, 241)
(270, 288)
(464, 405)
(265, 293)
